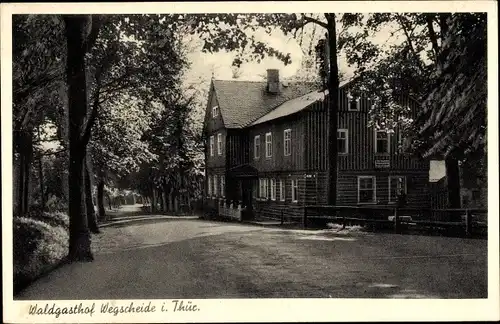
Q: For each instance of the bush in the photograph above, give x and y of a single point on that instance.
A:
(55, 204)
(38, 247)
(52, 218)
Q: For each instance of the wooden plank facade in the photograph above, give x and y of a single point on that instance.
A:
(300, 168)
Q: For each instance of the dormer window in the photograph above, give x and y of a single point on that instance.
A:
(215, 111)
(353, 103)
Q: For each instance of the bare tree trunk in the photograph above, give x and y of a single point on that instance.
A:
(110, 203)
(26, 184)
(25, 149)
(100, 199)
(171, 201)
(91, 215)
(40, 176)
(333, 88)
(164, 200)
(176, 203)
(79, 235)
(160, 200)
(453, 182)
(153, 201)
(20, 181)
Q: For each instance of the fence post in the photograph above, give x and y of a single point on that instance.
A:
(468, 223)
(282, 217)
(305, 217)
(397, 223)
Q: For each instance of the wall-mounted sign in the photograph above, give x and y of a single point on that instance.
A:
(381, 164)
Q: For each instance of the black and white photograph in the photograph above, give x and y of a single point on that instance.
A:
(186, 162)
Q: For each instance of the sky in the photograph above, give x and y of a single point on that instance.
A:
(204, 64)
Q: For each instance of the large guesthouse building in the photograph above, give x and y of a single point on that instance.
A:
(267, 150)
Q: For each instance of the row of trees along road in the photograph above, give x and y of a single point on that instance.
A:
(120, 107)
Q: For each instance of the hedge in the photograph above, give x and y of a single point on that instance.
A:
(40, 243)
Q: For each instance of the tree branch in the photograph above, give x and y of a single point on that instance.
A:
(115, 89)
(306, 20)
(93, 114)
(97, 21)
(408, 38)
(433, 37)
(90, 122)
(107, 87)
(443, 23)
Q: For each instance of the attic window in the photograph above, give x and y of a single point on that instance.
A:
(353, 103)
(215, 111)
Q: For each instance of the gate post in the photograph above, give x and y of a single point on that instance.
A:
(468, 223)
(397, 222)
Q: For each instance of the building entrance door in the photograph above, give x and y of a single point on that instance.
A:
(246, 190)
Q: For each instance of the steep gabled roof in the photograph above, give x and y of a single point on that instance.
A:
(295, 105)
(243, 102)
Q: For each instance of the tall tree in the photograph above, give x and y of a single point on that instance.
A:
(117, 143)
(37, 77)
(453, 120)
(81, 31)
(413, 66)
(136, 63)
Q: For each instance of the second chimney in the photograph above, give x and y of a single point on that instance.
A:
(273, 80)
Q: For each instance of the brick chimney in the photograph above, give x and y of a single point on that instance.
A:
(273, 80)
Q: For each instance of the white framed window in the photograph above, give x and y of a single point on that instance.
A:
(216, 186)
(367, 190)
(381, 142)
(219, 144)
(287, 142)
(282, 190)
(397, 186)
(342, 141)
(273, 189)
(352, 102)
(215, 111)
(295, 191)
(211, 145)
(256, 147)
(269, 145)
(209, 186)
(263, 188)
(223, 186)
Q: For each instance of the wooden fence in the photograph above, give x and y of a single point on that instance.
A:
(461, 221)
